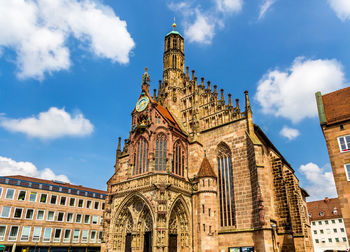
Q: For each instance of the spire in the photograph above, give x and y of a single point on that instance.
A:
(145, 80)
(174, 25)
(119, 152)
(229, 100)
(249, 114)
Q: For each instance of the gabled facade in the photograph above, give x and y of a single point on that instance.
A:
(196, 174)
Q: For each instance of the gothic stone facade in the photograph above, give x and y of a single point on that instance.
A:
(196, 174)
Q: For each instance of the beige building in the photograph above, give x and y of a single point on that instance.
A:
(196, 174)
(334, 115)
(327, 226)
(43, 215)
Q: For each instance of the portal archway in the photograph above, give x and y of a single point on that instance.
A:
(133, 229)
(179, 228)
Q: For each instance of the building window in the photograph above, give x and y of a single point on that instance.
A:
(321, 231)
(5, 213)
(344, 143)
(347, 171)
(60, 216)
(203, 227)
(94, 219)
(326, 221)
(99, 236)
(50, 215)
(0, 191)
(340, 220)
(334, 230)
(2, 232)
(160, 156)
(13, 233)
(72, 202)
(93, 234)
(329, 239)
(21, 195)
(76, 235)
(103, 206)
(342, 230)
(333, 221)
(78, 218)
(36, 234)
(209, 211)
(80, 203)
(88, 203)
(335, 210)
(317, 241)
(67, 234)
(32, 196)
(227, 208)
(344, 239)
(321, 213)
(315, 231)
(336, 239)
(313, 223)
(69, 217)
(174, 43)
(97, 205)
(203, 208)
(10, 193)
(29, 214)
(25, 233)
(87, 219)
(18, 213)
(47, 235)
(178, 159)
(84, 236)
(40, 215)
(141, 157)
(319, 222)
(57, 235)
(43, 198)
(53, 199)
(63, 200)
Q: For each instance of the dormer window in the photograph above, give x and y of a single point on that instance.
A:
(335, 211)
(321, 213)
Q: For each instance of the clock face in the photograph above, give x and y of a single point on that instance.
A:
(142, 103)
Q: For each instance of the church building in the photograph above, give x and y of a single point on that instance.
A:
(196, 173)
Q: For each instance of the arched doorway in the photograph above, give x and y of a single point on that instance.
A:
(133, 229)
(179, 229)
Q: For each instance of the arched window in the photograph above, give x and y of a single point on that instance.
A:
(178, 159)
(227, 208)
(174, 43)
(168, 44)
(160, 157)
(174, 61)
(141, 157)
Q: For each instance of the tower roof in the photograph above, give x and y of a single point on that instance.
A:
(206, 170)
(174, 32)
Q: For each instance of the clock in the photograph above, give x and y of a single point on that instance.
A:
(142, 103)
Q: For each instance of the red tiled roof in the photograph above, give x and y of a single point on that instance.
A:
(168, 116)
(51, 182)
(206, 170)
(326, 206)
(337, 105)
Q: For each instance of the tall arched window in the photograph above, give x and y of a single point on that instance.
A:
(141, 157)
(168, 44)
(178, 159)
(160, 157)
(174, 61)
(227, 208)
(174, 43)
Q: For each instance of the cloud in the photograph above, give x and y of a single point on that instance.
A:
(320, 181)
(341, 8)
(9, 167)
(51, 124)
(265, 7)
(291, 93)
(289, 133)
(201, 31)
(201, 23)
(39, 30)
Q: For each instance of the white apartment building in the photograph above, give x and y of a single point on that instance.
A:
(327, 226)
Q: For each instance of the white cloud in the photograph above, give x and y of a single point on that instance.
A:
(38, 31)
(51, 124)
(320, 181)
(202, 30)
(265, 7)
(289, 133)
(200, 23)
(291, 93)
(341, 8)
(229, 5)
(9, 167)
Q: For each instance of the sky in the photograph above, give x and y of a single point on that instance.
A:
(70, 75)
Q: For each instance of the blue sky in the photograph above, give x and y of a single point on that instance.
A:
(70, 75)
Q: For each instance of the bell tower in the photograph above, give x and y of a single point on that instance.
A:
(173, 57)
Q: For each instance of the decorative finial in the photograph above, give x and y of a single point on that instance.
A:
(146, 69)
(205, 153)
(174, 24)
